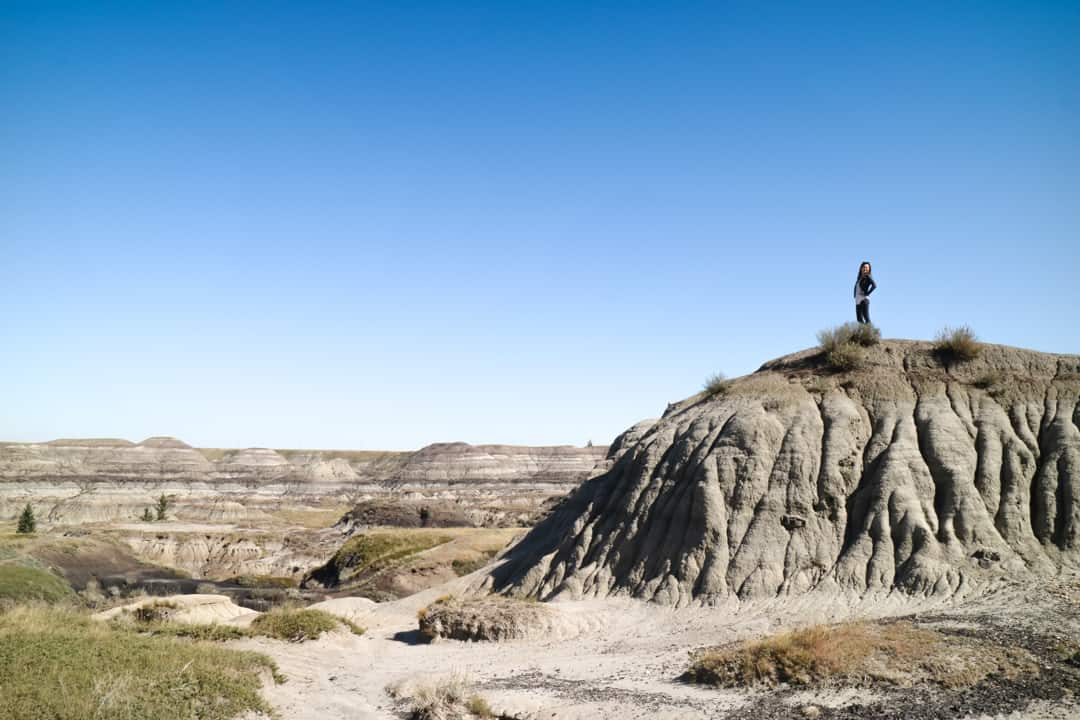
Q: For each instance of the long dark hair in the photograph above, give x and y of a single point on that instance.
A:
(869, 269)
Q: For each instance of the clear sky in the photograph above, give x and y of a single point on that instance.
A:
(379, 225)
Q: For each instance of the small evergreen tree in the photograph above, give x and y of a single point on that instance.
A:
(27, 522)
(162, 506)
(147, 516)
(589, 444)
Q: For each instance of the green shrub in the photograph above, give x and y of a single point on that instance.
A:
(842, 345)
(19, 583)
(865, 334)
(715, 384)
(162, 506)
(845, 357)
(61, 665)
(294, 625)
(959, 344)
(832, 338)
(27, 521)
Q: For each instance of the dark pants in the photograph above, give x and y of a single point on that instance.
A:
(862, 312)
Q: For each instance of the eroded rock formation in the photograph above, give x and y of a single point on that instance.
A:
(909, 474)
(73, 481)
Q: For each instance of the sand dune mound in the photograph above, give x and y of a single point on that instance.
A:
(195, 609)
(908, 474)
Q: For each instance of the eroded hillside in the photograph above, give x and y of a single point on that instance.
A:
(911, 473)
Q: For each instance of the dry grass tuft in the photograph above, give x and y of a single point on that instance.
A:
(842, 345)
(955, 345)
(715, 385)
(448, 698)
(895, 653)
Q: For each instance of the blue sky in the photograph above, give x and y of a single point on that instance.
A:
(379, 225)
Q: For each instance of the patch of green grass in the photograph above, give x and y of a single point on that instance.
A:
(283, 624)
(954, 345)
(58, 664)
(294, 625)
(211, 632)
(462, 567)
(376, 550)
(20, 583)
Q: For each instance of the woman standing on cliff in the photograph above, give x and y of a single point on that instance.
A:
(864, 285)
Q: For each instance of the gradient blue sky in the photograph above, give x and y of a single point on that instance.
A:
(379, 225)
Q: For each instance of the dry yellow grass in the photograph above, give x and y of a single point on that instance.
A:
(896, 653)
(442, 699)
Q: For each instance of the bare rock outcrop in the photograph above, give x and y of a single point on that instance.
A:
(906, 475)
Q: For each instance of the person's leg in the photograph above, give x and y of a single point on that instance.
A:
(866, 311)
(860, 311)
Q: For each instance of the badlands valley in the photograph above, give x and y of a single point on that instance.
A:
(889, 529)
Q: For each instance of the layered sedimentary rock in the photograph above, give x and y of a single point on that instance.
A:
(107, 480)
(911, 474)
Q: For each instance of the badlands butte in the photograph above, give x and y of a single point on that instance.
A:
(895, 537)
(74, 481)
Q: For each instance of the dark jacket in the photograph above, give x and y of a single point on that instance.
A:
(866, 283)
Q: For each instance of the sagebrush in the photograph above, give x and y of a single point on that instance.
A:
(957, 344)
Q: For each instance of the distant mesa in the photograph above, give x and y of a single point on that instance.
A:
(164, 442)
(91, 442)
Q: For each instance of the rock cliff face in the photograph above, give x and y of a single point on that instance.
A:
(107, 480)
(907, 475)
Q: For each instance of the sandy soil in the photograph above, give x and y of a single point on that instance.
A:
(622, 659)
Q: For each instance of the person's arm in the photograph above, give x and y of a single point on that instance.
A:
(873, 285)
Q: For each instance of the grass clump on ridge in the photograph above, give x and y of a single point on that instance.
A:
(957, 344)
(58, 664)
(294, 625)
(715, 385)
(842, 345)
(22, 583)
(298, 625)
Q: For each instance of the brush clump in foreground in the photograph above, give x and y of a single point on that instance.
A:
(448, 698)
(488, 618)
(58, 664)
(956, 345)
(895, 653)
(842, 345)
